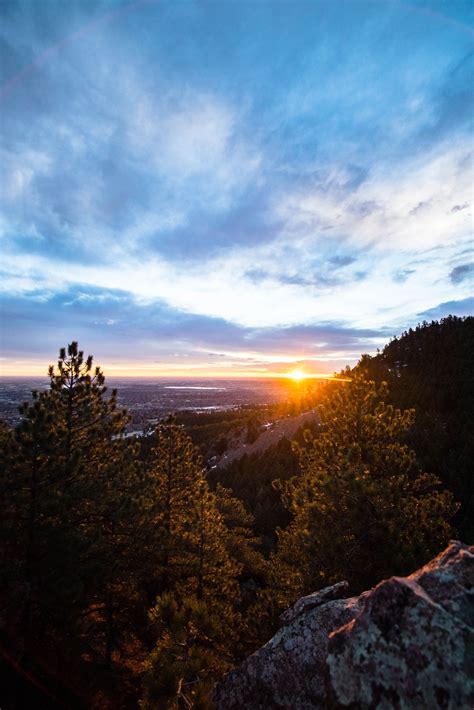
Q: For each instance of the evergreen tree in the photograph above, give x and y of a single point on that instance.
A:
(362, 508)
(173, 481)
(197, 607)
(190, 531)
(68, 476)
(241, 541)
(215, 572)
(190, 653)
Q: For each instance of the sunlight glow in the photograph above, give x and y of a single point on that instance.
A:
(297, 375)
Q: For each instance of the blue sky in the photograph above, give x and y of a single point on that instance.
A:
(232, 186)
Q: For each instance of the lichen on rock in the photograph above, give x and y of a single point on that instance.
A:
(412, 645)
(408, 643)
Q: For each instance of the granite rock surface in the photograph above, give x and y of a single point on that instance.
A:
(408, 643)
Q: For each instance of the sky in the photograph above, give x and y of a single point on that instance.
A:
(232, 187)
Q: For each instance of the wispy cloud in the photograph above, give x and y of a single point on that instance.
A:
(465, 307)
(408, 207)
(462, 272)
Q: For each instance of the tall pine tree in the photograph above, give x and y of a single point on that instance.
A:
(362, 508)
(68, 481)
(196, 613)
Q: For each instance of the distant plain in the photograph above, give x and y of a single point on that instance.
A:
(148, 400)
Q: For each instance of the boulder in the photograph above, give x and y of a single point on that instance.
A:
(288, 672)
(303, 605)
(412, 645)
(407, 643)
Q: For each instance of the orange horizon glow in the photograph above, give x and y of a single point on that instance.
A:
(29, 369)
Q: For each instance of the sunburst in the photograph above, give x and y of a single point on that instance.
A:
(297, 375)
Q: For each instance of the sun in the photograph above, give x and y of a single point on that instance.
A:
(296, 375)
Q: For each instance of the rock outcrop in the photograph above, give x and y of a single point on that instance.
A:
(311, 601)
(408, 643)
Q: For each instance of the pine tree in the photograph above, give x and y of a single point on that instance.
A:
(190, 653)
(188, 533)
(241, 541)
(362, 508)
(173, 482)
(214, 572)
(196, 612)
(69, 473)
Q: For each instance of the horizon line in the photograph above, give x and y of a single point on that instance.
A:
(197, 376)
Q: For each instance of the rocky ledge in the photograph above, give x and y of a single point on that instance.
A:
(408, 643)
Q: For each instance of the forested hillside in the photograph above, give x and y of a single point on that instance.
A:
(130, 575)
(430, 368)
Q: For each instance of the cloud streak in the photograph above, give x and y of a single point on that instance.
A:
(119, 330)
